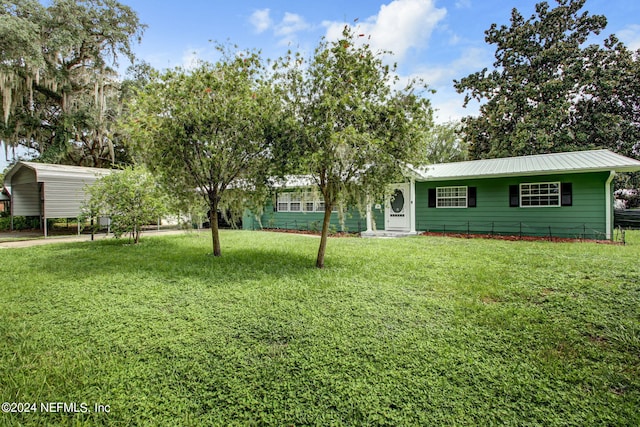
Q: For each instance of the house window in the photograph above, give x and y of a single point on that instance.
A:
(295, 205)
(283, 202)
(451, 197)
(300, 202)
(540, 194)
(320, 207)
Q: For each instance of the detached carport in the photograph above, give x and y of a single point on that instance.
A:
(49, 191)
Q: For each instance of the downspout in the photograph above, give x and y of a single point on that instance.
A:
(369, 216)
(412, 219)
(609, 204)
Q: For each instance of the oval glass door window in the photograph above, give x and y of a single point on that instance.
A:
(397, 201)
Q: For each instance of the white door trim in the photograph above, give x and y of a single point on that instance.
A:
(394, 222)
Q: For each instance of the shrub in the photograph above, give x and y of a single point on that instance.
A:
(19, 223)
(629, 197)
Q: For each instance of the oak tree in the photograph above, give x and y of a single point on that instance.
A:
(60, 91)
(203, 131)
(354, 130)
(549, 91)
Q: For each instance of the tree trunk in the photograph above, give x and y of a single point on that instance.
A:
(325, 232)
(215, 235)
(136, 234)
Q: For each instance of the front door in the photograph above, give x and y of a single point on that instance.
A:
(398, 210)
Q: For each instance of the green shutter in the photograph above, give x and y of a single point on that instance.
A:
(566, 194)
(432, 197)
(471, 197)
(514, 196)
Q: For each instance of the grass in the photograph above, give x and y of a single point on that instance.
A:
(414, 331)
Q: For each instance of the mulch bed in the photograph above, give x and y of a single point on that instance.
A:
(460, 236)
(514, 238)
(311, 233)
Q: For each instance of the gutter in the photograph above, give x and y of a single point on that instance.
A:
(609, 204)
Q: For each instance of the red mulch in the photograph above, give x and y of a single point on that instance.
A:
(312, 233)
(460, 236)
(514, 238)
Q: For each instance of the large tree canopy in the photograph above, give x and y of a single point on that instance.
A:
(551, 92)
(353, 130)
(59, 93)
(445, 145)
(205, 130)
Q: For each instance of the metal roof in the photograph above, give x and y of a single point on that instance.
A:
(293, 181)
(45, 171)
(540, 164)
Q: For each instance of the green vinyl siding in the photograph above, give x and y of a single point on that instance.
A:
(354, 221)
(585, 218)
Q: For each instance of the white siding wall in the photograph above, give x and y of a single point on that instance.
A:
(24, 176)
(62, 187)
(26, 199)
(64, 199)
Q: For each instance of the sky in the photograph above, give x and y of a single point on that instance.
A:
(436, 40)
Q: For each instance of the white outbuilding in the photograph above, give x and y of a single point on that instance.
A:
(48, 190)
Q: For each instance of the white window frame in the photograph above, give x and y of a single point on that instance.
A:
(282, 202)
(450, 196)
(532, 190)
(300, 202)
(309, 206)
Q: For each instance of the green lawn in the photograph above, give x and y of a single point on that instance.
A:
(418, 331)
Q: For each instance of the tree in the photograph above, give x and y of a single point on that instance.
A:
(549, 92)
(60, 95)
(130, 198)
(444, 144)
(204, 131)
(353, 130)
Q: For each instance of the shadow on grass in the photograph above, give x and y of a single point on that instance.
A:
(177, 257)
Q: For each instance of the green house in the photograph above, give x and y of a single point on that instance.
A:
(559, 195)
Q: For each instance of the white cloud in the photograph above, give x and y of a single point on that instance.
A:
(191, 58)
(291, 24)
(398, 26)
(630, 35)
(448, 108)
(463, 4)
(442, 75)
(261, 20)
(446, 101)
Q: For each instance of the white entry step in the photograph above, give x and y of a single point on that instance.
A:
(387, 233)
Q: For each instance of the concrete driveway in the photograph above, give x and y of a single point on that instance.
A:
(36, 239)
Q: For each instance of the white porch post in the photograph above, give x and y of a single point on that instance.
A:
(369, 217)
(412, 192)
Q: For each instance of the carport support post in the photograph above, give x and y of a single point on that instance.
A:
(44, 219)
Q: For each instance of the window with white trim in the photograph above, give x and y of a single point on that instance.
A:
(295, 205)
(451, 197)
(540, 194)
(300, 202)
(283, 202)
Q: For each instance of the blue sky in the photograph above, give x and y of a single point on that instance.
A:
(438, 40)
